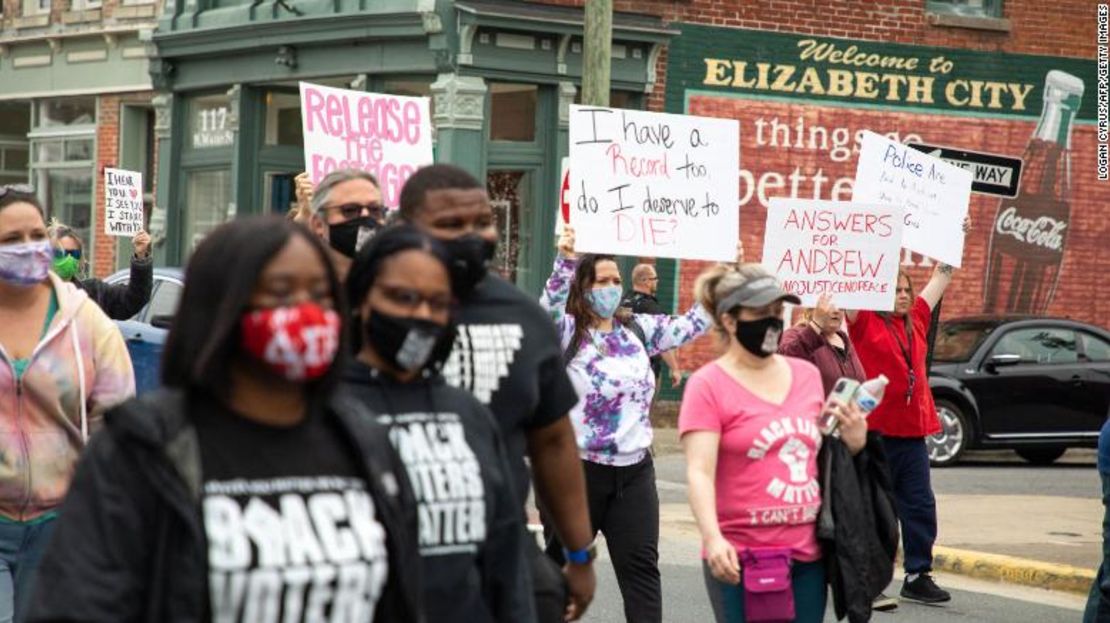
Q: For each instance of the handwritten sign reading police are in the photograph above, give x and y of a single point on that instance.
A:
(848, 250)
(933, 193)
(389, 136)
(123, 202)
(653, 184)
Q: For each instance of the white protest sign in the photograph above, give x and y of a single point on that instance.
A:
(935, 195)
(849, 250)
(123, 202)
(389, 136)
(653, 184)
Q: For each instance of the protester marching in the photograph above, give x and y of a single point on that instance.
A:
(360, 420)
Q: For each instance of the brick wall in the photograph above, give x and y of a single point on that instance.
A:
(107, 155)
(1060, 29)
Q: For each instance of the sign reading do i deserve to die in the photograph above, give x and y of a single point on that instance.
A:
(934, 194)
(389, 136)
(123, 202)
(849, 250)
(654, 184)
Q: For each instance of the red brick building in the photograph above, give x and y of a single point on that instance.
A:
(791, 136)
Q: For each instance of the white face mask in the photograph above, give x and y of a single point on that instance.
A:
(26, 263)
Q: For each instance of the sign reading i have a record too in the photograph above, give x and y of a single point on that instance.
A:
(991, 174)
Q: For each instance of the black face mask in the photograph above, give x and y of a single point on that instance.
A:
(470, 256)
(410, 344)
(760, 337)
(348, 237)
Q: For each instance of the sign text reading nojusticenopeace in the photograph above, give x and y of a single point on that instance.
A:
(654, 184)
(934, 194)
(849, 250)
(389, 136)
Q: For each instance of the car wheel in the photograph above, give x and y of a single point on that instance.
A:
(1041, 456)
(947, 446)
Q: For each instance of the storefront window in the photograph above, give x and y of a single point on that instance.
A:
(283, 119)
(513, 112)
(68, 194)
(208, 194)
(67, 111)
(208, 122)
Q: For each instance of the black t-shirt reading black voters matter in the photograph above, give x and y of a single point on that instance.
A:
(291, 527)
(471, 544)
(507, 354)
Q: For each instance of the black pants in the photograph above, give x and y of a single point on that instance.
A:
(913, 498)
(624, 506)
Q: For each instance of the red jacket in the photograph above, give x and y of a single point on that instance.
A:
(883, 348)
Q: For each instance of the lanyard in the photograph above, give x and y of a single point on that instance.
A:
(907, 354)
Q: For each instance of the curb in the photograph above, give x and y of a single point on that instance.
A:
(1013, 570)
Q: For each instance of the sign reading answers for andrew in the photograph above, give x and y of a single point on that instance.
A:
(992, 174)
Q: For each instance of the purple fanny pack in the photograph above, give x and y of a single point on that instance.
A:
(768, 593)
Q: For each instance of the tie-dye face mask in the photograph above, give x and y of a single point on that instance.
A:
(605, 301)
(26, 263)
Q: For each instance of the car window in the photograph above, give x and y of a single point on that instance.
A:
(1095, 348)
(1039, 345)
(164, 301)
(957, 341)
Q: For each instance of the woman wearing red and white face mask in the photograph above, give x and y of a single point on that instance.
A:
(245, 490)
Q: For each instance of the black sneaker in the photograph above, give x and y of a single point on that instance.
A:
(883, 603)
(924, 590)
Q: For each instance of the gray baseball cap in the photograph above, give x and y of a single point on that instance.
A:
(759, 289)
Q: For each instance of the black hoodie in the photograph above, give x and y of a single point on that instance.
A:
(471, 540)
(130, 544)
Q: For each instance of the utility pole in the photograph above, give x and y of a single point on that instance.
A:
(597, 52)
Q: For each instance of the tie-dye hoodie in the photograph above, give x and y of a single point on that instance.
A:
(79, 369)
(612, 373)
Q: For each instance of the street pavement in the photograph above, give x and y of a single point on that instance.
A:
(994, 502)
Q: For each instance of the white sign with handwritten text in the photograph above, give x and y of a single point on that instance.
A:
(654, 184)
(934, 194)
(123, 202)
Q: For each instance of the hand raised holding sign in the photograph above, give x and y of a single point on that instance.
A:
(565, 244)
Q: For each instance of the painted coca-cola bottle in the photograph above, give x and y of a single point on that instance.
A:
(1030, 231)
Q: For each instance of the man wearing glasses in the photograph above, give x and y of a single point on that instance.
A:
(645, 283)
(345, 210)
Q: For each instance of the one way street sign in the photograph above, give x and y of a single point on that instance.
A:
(991, 174)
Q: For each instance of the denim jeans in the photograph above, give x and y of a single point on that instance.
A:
(806, 578)
(21, 549)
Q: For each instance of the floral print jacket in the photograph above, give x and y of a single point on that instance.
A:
(612, 373)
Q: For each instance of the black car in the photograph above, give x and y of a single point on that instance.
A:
(1035, 385)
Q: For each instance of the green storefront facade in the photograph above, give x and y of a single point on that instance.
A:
(500, 74)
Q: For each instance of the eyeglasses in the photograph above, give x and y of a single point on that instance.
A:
(411, 299)
(61, 253)
(16, 189)
(354, 210)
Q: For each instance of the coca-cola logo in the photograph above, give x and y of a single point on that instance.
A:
(1044, 231)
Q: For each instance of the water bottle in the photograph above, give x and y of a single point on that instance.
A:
(867, 397)
(870, 394)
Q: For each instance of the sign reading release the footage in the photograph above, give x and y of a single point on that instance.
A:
(849, 250)
(389, 136)
(653, 184)
(934, 194)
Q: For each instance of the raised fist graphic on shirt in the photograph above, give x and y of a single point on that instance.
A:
(795, 454)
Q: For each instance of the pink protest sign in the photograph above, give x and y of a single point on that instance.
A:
(848, 250)
(389, 136)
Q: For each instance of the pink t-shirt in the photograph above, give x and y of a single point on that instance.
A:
(767, 488)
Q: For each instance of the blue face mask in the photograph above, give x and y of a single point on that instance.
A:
(605, 301)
